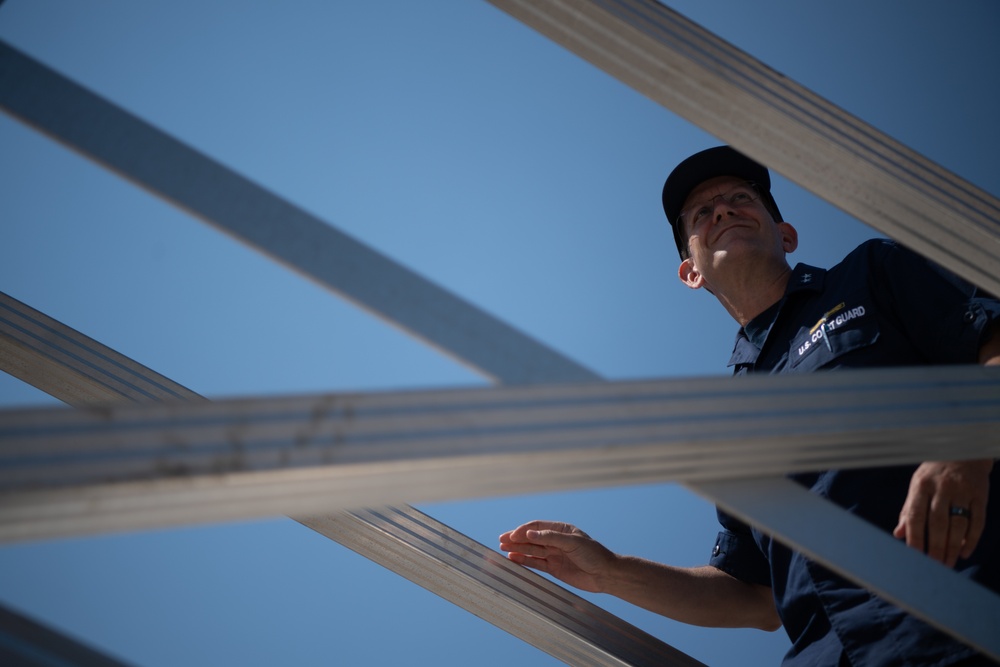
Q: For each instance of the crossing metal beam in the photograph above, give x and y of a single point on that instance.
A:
(488, 585)
(151, 159)
(886, 195)
(75, 368)
(130, 466)
(812, 142)
(80, 371)
(941, 407)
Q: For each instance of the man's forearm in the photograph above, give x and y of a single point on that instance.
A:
(704, 596)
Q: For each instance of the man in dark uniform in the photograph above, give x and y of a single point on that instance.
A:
(881, 306)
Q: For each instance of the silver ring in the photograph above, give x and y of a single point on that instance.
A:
(960, 511)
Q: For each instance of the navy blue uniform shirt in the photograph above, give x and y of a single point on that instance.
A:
(882, 306)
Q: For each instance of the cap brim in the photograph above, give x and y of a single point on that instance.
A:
(708, 164)
(700, 167)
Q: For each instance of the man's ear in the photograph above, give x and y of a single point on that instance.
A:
(789, 237)
(690, 275)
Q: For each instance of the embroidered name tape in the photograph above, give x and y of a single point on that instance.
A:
(832, 320)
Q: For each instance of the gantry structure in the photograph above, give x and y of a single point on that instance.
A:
(141, 451)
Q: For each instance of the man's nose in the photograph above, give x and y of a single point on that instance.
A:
(721, 207)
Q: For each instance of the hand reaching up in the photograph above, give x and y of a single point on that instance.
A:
(562, 550)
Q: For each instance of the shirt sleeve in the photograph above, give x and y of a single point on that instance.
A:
(945, 317)
(736, 553)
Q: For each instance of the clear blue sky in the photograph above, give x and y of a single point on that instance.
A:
(469, 148)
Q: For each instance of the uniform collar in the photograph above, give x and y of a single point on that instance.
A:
(804, 278)
(744, 352)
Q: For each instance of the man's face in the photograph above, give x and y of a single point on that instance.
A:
(725, 220)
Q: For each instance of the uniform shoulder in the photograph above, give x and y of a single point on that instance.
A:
(876, 247)
(868, 253)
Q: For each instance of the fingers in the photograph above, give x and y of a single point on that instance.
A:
(946, 532)
(977, 524)
(539, 530)
(526, 548)
(533, 528)
(912, 524)
(531, 544)
(941, 533)
(539, 564)
(945, 511)
(929, 526)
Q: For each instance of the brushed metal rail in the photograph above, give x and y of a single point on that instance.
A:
(211, 461)
(72, 367)
(125, 144)
(78, 370)
(151, 159)
(903, 574)
(812, 142)
(488, 585)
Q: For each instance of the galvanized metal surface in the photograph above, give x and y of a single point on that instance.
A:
(348, 450)
(909, 578)
(123, 143)
(402, 539)
(377, 533)
(795, 132)
(55, 110)
(525, 604)
(74, 368)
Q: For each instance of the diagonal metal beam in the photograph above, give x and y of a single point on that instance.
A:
(58, 107)
(28, 643)
(74, 368)
(95, 468)
(79, 370)
(896, 415)
(904, 574)
(111, 137)
(704, 79)
(492, 587)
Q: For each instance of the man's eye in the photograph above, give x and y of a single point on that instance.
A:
(700, 213)
(740, 198)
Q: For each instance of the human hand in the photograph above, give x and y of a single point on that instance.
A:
(559, 549)
(939, 489)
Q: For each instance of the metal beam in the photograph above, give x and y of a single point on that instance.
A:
(123, 143)
(74, 368)
(130, 466)
(531, 419)
(908, 581)
(105, 133)
(487, 584)
(28, 643)
(81, 371)
(704, 79)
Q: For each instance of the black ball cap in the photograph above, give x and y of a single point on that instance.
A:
(700, 167)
